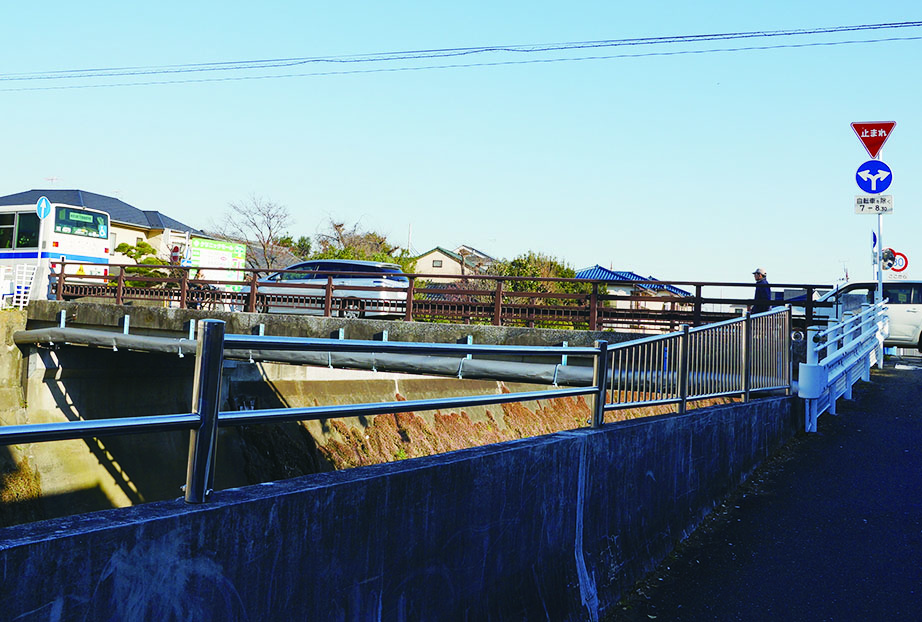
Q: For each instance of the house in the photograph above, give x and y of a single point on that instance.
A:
(449, 265)
(126, 223)
(650, 290)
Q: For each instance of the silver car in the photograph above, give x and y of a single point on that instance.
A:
(357, 288)
(904, 307)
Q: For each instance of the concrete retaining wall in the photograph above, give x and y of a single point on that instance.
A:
(554, 527)
(166, 321)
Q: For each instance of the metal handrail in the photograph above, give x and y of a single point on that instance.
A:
(676, 383)
(838, 356)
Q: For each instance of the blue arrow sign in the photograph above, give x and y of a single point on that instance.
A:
(43, 207)
(874, 176)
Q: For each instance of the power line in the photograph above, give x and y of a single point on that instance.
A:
(442, 53)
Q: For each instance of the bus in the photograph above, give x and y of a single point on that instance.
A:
(68, 233)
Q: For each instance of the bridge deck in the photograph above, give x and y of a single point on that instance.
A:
(829, 529)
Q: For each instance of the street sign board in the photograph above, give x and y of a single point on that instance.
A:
(873, 135)
(900, 262)
(874, 177)
(879, 204)
(43, 207)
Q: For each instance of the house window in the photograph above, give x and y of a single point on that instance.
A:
(436, 263)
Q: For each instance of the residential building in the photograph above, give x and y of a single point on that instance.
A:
(621, 283)
(449, 265)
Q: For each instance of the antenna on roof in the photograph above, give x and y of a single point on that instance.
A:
(52, 179)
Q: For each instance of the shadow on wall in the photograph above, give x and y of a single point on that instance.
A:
(90, 384)
(21, 500)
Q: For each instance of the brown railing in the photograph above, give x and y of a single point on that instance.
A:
(472, 300)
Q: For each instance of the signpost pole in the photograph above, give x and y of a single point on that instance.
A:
(880, 265)
(42, 210)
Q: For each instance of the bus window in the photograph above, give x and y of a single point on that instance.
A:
(79, 222)
(6, 230)
(27, 230)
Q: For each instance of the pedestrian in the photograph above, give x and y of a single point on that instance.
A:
(763, 292)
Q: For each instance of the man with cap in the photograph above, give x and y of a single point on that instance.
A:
(763, 292)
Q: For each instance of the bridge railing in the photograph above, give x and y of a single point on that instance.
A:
(839, 355)
(735, 357)
(650, 305)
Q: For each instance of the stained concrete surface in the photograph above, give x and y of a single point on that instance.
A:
(829, 529)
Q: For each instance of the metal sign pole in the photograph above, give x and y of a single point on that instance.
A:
(880, 266)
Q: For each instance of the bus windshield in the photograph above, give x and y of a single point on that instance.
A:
(81, 222)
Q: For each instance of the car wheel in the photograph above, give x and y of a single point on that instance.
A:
(352, 308)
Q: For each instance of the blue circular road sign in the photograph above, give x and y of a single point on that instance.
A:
(874, 176)
(43, 207)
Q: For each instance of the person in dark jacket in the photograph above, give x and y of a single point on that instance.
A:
(763, 292)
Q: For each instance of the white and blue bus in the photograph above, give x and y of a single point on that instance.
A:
(68, 233)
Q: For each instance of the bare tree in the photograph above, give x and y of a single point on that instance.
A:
(261, 224)
(339, 238)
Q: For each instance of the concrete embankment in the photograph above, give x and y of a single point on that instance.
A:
(60, 382)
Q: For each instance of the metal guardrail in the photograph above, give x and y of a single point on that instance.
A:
(734, 357)
(838, 356)
(730, 358)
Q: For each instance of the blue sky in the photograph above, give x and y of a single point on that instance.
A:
(685, 166)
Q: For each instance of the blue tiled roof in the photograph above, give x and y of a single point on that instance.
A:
(118, 210)
(598, 273)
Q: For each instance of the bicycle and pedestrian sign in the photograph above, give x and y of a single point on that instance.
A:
(875, 204)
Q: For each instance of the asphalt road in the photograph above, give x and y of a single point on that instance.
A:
(828, 529)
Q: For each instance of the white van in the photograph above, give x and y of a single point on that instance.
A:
(360, 289)
(904, 307)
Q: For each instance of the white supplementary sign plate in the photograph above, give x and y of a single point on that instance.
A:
(874, 204)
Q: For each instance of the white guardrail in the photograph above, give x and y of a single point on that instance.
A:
(840, 355)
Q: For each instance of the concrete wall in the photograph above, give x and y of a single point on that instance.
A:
(548, 528)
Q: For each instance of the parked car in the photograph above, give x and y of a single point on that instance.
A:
(904, 304)
(359, 289)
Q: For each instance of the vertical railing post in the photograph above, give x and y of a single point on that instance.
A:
(184, 288)
(696, 318)
(498, 304)
(59, 285)
(808, 308)
(120, 286)
(408, 316)
(206, 398)
(254, 292)
(683, 370)
(594, 307)
(747, 356)
(328, 298)
(812, 348)
(788, 346)
(600, 375)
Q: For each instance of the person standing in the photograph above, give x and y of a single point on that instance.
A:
(763, 292)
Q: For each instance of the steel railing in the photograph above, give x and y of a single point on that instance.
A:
(729, 358)
(733, 357)
(838, 356)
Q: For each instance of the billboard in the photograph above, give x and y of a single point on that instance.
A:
(229, 259)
